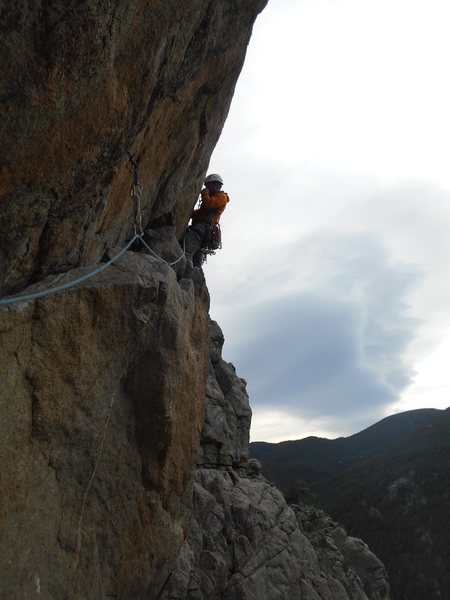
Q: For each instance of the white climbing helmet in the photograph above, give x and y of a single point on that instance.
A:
(214, 177)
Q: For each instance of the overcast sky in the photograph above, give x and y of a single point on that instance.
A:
(333, 286)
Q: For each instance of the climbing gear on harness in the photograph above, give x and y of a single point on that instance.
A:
(214, 177)
(213, 240)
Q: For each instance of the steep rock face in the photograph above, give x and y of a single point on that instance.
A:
(101, 407)
(244, 541)
(82, 84)
(103, 386)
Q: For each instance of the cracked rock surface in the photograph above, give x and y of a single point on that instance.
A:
(244, 542)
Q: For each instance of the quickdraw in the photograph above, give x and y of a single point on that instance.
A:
(135, 193)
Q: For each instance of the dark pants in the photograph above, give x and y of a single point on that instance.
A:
(194, 241)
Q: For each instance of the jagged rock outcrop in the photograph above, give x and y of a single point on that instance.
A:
(350, 568)
(225, 433)
(84, 82)
(244, 541)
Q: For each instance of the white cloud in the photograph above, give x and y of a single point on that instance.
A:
(355, 84)
(275, 425)
(336, 157)
(329, 340)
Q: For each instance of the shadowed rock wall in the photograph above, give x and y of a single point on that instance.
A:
(84, 82)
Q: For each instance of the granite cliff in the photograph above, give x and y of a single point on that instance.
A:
(103, 416)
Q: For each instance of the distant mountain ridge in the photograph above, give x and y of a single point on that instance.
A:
(388, 484)
(314, 459)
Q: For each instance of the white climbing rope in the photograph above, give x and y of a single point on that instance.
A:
(68, 284)
(135, 193)
(159, 257)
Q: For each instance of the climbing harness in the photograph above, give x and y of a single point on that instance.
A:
(136, 193)
(211, 243)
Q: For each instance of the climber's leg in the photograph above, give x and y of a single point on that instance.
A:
(197, 259)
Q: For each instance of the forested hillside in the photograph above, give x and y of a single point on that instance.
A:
(396, 496)
(314, 459)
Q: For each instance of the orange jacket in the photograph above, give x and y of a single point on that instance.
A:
(211, 207)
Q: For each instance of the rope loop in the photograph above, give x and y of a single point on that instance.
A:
(68, 284)
(171, 264)
(71, 284)
(138, 218)
(136, 189)
(135, 193)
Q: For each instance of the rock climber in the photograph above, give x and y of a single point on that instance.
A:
(213, 203)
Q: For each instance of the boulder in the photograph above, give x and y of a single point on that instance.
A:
(102, 403)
